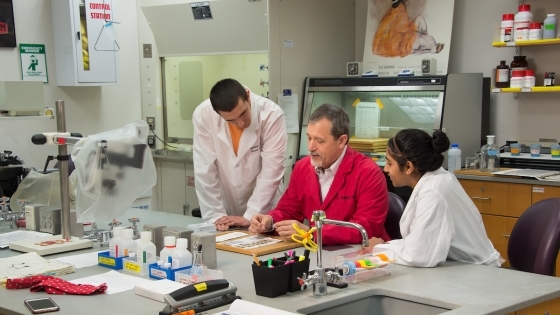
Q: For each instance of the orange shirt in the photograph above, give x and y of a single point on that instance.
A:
(235, 136)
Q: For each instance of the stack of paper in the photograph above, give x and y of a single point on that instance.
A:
(156, 290)
(31, 264)
(372, 145)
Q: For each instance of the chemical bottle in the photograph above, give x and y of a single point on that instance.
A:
(502, 75)
(522, 21)
(181, 257)
(146, 250)
(126, 243)
(454, 158)
(550, 26)
(506, 27)
(490, 156)
(114, 242)
(165, 253)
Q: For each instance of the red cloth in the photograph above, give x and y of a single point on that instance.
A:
(54, 285)
(358, 194)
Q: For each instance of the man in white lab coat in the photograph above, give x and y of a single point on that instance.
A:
(239, 148)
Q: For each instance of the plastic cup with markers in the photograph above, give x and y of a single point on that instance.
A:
(555, 151)
(535, 150)
(515, 149)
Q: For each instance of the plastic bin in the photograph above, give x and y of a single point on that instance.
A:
(104, 260)
(156, 272)
(135, 267)
(381, 263)
(185, 277)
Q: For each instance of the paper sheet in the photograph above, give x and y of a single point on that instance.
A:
(116, 282)
(252, 242)
(79, 261)
(10, 237)
(289, 105)
(242, 307)
(229, 236)
(31, 264)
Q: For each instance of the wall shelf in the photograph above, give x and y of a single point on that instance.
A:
(527, 43)
(536, 89)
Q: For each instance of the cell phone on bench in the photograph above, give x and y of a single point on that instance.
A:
(41, 305)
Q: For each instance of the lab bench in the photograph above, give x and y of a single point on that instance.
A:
(461, 288)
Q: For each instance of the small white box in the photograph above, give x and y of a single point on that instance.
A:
(202, 227)
(156, 290)
(32, 214)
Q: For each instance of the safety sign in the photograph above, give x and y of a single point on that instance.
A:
(33, 62)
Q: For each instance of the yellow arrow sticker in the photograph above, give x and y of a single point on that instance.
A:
(378, 101)
(356, 102)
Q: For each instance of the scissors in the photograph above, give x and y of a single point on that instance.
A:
(305, 238)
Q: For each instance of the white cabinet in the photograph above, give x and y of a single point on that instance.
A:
(85, 43)
(174, 191)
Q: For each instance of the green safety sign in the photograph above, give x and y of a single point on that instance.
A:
(33, 62)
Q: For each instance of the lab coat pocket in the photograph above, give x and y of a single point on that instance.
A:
(251, 164)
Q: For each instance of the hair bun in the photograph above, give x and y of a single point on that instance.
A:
(440, 141)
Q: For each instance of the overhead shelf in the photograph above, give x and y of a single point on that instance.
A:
(527, 43)
(536, 89)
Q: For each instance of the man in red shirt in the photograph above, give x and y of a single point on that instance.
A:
(334, 178)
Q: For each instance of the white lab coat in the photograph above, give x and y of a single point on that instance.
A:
(441, 222)
(250, 182)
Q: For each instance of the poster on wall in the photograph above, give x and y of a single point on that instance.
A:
(401, 33)
(7, 25)
(33, 62)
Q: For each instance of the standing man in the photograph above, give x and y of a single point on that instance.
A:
(344, 183)
(239, 149)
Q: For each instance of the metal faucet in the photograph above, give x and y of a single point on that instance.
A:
(134, 227)
(8, 215)
(320, 278)
(97, 235)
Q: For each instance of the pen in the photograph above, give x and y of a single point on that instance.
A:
(256, 260)
(189, 312)
(270, 263)
(306, 253)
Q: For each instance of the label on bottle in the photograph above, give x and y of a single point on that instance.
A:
(502, 75)
(549, 27)
(492, 152)
(548, 82)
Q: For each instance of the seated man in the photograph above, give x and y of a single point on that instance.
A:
(344, 183)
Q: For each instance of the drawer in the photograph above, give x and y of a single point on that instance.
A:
(498, 198)
(543, 192)
(498, 230)
(550, 307)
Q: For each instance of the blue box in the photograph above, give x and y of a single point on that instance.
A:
(156, 272)
(104, 260)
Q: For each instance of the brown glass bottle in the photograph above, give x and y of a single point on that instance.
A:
(518, 63)
(502, 75)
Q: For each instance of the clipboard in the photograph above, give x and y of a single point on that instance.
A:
(285, 244)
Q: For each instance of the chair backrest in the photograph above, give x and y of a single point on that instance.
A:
(396, 209)
(535, 239)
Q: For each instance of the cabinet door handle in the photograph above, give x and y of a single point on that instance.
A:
(505, 235)
(481, 198)
(78, 34)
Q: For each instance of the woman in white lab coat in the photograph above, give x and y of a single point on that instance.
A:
(234, 182)
(440, 221)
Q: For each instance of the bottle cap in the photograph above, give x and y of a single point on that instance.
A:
(519, 57)
(529, 73)
(169, 241)
(127, 233)
(551, 14)
(490, 139)
(454, 145)
(524, 8)
(132, 255)
(166, 265)
(535, 25)
(518, 73)
(146, 236)
(508, 17)
(182, 243)
(117, 231)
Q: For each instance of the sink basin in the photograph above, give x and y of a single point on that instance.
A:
(172, 152)
(375, 304)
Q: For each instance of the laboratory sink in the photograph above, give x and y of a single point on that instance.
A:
(175, 155)
(378, 305)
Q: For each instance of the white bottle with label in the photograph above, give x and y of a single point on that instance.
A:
(454, 158)
(550, 26)
(165, 253)
(490, 156)
(114, 242)
(126, 244)
(181, 257)
(146, 250)
(522, 21)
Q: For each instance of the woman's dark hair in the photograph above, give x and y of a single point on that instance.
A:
(225, 95)
(416, 146)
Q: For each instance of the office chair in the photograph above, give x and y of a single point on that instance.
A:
(396, 209)
(535, 239)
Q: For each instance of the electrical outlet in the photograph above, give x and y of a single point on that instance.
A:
(151, 122)
(152, 141)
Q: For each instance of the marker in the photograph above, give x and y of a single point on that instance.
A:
(306, 253)
(270, 263)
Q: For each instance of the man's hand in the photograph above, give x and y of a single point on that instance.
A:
(260, 223)
(223, 223)
(372, 242)
(286, 228)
